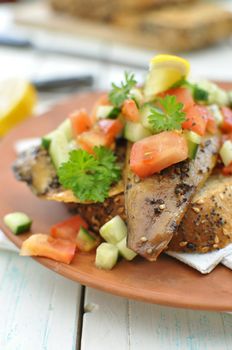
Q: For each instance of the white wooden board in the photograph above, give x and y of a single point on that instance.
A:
(38, 309)
(131, 325)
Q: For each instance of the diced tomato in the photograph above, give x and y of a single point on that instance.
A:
(111, 128)
(196, 119)
(226, 137)
(54, 248)
(227, 170)
(183, 95)
(102, 101)
(69, 228)
(227, 123)
(80, 121)
(157, 152)
(211, 125)
(89, 139)
(130, 111)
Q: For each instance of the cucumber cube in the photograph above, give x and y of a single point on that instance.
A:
(114, 230)
(126, 252)
(135, 131)
(106, 256)
(59, 149)
(226, 152)
(66, 128)
(17, 222)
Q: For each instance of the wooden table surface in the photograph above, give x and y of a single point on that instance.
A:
(40, 310)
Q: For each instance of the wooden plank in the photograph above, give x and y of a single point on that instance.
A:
(39, 309)
(137, 30)
(134, 325)
(106, 326)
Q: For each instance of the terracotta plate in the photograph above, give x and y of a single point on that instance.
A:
(166, 282)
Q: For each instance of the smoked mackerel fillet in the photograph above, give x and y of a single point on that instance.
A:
(156, 205)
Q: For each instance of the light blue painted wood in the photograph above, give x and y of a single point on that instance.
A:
(38, 308)
(106, 326)
(131, 325)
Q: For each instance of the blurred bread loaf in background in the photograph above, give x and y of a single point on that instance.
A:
(164, 25)
(107, 9)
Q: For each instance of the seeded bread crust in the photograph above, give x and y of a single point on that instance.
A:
(206, 226)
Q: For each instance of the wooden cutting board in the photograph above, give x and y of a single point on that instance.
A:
(173, 29)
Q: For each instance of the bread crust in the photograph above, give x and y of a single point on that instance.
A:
(206, 226)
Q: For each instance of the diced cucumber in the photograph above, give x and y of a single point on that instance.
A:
(46, 140)
(193, 136)
(103, 111)
(215, 110)
(137, 96)
(17, 222)
(73, 145)
(226, 152)
(230, 97)
(215, 93)
(109, 112)
(85, 241)
(114, 230)
(135, 131)
(106, 256)
(192, 149)
(66, 128)
(145, 112)
(126, 252)
(59, 149)
(193, 141)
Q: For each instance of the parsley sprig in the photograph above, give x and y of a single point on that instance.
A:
(169, 117)
(119, 94)
(90, 176)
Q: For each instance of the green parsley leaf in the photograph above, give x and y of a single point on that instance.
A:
(170, 117)
(119, 94)
(90, 176)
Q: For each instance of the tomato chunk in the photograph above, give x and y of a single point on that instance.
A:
(227, 123)
(130, 111)
(80, 121)
(157, 152)
(89, 139)
(227, 170)
(111, 128)
(183, 96)
(102, 101)
(196, 120)
(69, 228)
(54, 248)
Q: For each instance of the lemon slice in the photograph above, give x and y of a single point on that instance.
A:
(17, 99)
(165, 70)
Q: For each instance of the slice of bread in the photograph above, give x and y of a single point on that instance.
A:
(207, 224)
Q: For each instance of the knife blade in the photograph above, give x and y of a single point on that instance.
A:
(23, 42)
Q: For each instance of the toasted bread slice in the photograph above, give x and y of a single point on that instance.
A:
(207, 225)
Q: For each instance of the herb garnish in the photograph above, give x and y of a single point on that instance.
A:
(169, 117)
(90, 176)
(119, 94)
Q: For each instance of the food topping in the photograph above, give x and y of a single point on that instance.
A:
(90, 176)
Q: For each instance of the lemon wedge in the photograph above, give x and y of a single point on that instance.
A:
(165, 70)
(17, 99)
